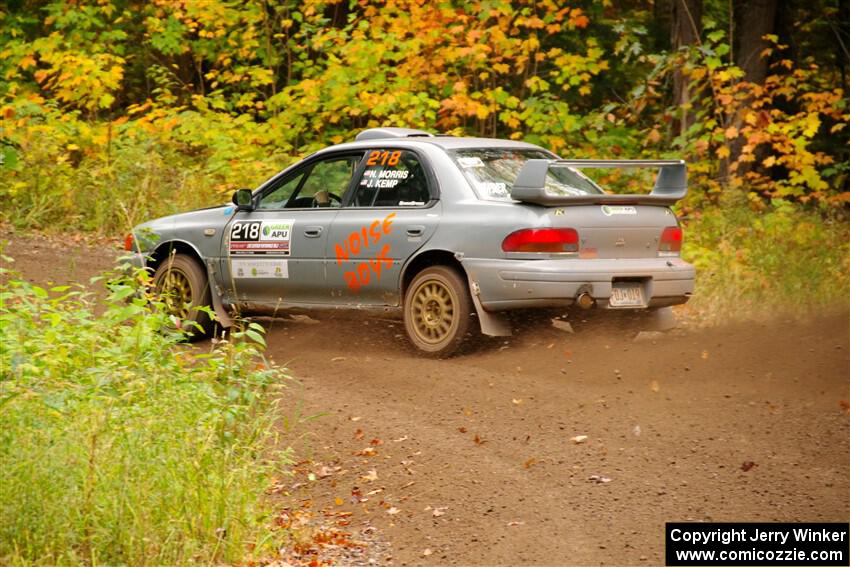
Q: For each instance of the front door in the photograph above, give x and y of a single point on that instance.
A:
(390, 212)
(275, 255)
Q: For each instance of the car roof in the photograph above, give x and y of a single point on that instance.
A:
(405, 137)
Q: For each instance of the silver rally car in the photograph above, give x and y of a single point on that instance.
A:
(449, 232)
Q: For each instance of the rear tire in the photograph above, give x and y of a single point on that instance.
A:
(182, 284)
(437, 309)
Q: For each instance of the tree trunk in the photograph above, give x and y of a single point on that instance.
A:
(756, 19)
(686, 27)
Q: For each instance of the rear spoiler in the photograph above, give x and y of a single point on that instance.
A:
(670, 185)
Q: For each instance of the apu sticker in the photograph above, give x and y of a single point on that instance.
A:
(259, 268)
(261, 237)
(609, 210)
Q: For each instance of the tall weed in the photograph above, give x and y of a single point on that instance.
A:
(120, 445)
(751, 264)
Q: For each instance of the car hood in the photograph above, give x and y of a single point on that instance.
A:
(150, 233)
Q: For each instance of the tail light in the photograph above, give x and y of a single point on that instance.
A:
(671, 241)
(128, 242)
(551, 240)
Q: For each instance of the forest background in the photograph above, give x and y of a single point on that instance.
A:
(116, 111)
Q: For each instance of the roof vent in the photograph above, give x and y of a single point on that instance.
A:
(384, 133)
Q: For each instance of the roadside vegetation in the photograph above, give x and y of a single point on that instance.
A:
(119, 444)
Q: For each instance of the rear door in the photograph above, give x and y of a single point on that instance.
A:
(276, 253)
(391, 211)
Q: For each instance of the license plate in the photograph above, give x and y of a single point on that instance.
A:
(627, 295)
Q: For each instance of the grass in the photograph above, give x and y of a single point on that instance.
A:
(754, 264)
(118, 444)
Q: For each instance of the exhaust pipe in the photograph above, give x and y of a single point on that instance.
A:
(585, 300)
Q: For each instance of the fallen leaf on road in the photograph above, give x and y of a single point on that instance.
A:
(367, 452)
(599, 479)
(371, 476)
(530, 463)
(375, 442)
(374, 492)
(578, 439)
(359, 434)
(338, 359)
(705, 355)
(515, 523)
(400, 439)
(426, 553)
(747, 465)
(355, 418)
(654, 386)
(409, 484)
(636, 430)
(339, 501)
(478, 440)
(439, 511)
(845, 405)
(516, 401)
(462, 429)
(393, 511)
(325, 471)
(467, 412)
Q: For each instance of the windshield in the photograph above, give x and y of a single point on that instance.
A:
(492, 173)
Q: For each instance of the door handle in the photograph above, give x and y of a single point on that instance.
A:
(313, 231)
(416, 230)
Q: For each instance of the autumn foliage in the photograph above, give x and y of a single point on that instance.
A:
(115, 111)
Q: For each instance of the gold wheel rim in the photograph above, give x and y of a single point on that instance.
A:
(433, 310)
(176, 292)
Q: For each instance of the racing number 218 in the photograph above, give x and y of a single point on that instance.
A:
(383, 158)
(245, 231)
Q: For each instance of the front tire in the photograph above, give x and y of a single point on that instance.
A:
(437, 309)
(182, 284)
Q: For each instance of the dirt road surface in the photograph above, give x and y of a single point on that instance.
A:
(475, 460)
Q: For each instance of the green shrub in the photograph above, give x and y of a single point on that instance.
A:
(118, 444)
(755, 263)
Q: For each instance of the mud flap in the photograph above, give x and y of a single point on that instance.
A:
(221, 313)
(492, 325)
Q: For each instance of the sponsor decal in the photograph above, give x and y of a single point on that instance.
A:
(271, 236)
(360, 243)
(609, 210)
(252, 268)
(228, 210)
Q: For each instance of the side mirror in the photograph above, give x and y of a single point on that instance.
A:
(243, 199)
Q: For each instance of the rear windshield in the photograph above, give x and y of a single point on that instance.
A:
(492, 173)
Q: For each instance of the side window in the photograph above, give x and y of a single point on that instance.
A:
(326, 183)
(392, 178)
(278, 197)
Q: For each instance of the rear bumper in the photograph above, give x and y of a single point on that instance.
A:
(517, 284)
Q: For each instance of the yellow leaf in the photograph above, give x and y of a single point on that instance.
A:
(723, 152)
(769, 161)
(731, 132)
